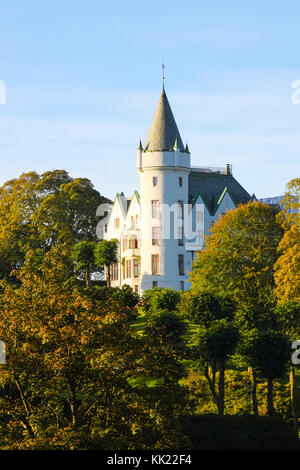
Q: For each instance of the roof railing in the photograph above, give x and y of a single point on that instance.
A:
(227, 170)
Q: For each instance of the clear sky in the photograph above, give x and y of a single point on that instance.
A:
(83, 79)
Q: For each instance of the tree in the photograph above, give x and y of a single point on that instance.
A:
(239, 256)
(287, 267)
(159, 300)
(215, 338)
(204, 307)
(291, 203)
(39, 211)
(106, 254)
(269, 352)
(288, 314)
(83, 255)
(170, 328)
(212, 346)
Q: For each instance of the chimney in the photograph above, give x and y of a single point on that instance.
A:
(228, 169)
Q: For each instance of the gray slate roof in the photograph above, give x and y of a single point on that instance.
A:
(210, 187)
(163, 130)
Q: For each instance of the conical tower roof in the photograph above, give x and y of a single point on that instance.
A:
(163, 131)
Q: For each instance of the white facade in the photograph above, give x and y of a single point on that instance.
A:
(160, 229)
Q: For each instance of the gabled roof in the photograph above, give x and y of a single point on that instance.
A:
(163, 131)
(212, 187)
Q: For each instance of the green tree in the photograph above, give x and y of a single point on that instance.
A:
(106, 254)
(269, 352)
(39, 211)
(158, 300)
(211, 347)
(83, 255)
(215, 338)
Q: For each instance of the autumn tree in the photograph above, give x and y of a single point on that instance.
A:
(239, 256)
(287, 267)
(288, 314)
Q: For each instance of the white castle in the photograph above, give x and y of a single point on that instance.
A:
(160, 229)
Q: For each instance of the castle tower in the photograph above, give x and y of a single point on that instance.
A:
(163, 165)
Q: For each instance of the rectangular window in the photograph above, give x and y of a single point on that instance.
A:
(114, 272)
(136, 267)
(132, 220)
(136, 289)
(155, 235)
(105, 228)
(128, 268)
(154, 180)
(182, 286)
(136, 219)
(181, 265)
(117, 223)
(180, 180)
(124, 244)
(180, 236)
(154, 284)
(155, 209)
(180, 209)
(155, 264)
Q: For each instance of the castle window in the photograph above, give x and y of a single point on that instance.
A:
(180, 180)
(180, 236)
(181, 265)
(117, 223)
(155, 209)
(155, 264)
(128, 268)
(114, 272)
(136, 267)
(180, 209)
(154, 180)
(133, 243)
(155, 236)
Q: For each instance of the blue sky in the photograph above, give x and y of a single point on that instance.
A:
(83, 79)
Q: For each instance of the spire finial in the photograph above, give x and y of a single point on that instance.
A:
(163, 75)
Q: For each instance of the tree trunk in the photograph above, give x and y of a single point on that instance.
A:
(270, 398)
(87, 277)
(221, 388)
(208, 372)
(292, 397)
(108, 276)
(253, 380)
